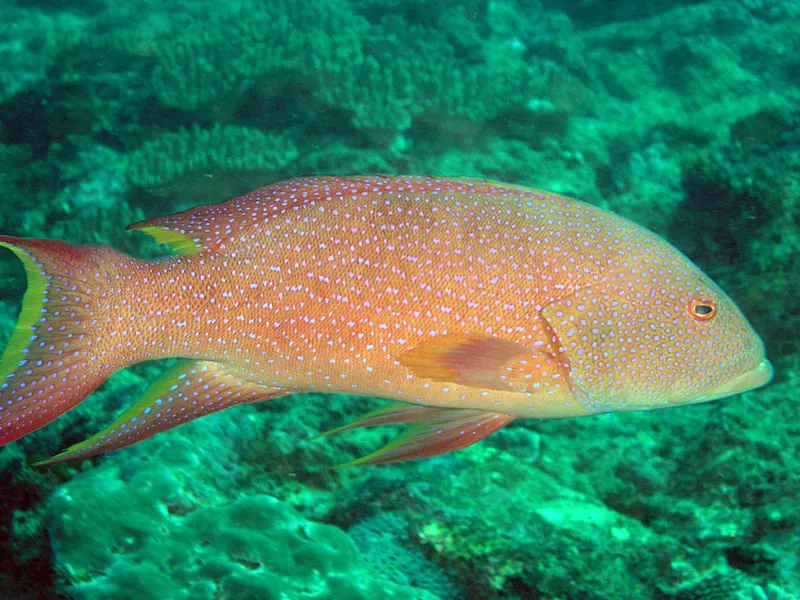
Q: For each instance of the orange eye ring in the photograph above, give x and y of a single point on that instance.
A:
(702, 310)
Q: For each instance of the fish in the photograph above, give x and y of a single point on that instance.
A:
(464, 303)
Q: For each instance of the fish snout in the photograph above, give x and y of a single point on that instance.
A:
(756, 377)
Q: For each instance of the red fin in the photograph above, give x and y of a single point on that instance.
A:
(52, 360)
(447, 430)
(396, 413)
(189, 390)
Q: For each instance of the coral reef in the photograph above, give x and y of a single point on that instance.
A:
(385, 546)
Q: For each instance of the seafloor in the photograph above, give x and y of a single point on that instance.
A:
(680, 115)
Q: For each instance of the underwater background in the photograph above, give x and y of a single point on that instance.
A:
(682, 116)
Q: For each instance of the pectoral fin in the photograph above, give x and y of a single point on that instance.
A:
(189, 390)
(489, 363)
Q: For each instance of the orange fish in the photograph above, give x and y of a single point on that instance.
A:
(469, 303)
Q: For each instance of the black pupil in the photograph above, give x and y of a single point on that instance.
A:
(702, 310)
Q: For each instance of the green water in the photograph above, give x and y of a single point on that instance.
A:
(680, 116)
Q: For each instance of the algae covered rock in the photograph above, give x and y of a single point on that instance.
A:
(135, 539)
(537, 538)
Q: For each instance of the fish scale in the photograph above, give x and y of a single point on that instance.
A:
(464, 295)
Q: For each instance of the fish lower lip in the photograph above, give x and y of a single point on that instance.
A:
(750, 380)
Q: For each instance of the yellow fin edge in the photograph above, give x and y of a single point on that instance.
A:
(159, 387)
(179, 242)
(29, 313)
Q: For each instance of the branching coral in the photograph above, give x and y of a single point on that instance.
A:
(29, 45)
(221, 148)
(384, 76)
(214, 61)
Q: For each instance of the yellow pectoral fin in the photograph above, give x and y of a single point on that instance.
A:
(473, 360)
(486, 362)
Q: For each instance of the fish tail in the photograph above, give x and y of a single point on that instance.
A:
(55, 356)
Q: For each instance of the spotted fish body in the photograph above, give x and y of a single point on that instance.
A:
(470, 302)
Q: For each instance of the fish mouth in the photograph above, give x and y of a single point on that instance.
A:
(749, 380)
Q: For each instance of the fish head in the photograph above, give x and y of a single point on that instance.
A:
(655, 331)
(729, 355)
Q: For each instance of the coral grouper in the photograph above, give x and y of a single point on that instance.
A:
(468, 303)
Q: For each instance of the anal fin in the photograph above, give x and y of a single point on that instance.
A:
(434, 431)
(187, 391)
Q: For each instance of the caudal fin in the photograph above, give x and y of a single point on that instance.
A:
(54, 358)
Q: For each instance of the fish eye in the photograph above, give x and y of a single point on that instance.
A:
(702, 310)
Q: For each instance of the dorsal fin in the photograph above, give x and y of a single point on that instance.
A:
(214, 227)
(179, 242)
(179, 231)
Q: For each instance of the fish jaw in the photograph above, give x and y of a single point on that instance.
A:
(758, 376)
